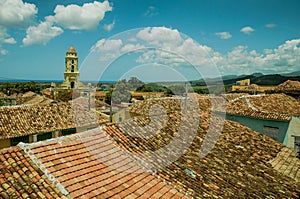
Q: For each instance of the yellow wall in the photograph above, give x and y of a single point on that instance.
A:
(244, 82)
(121, 115)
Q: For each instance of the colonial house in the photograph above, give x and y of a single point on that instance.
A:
(274, 115)
(245, 86)
(32, 123)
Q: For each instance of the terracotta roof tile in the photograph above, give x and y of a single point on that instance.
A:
(271, 106)
(288, 85)
(25, 120)
(90, 164)
(237, 166)
(20, 178)
(286, 162)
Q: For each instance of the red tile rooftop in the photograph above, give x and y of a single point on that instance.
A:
(270, 106)
(90, 164)
(114, 161)
(289, 85)
(20, 178)
(238, 165)
(25, 120)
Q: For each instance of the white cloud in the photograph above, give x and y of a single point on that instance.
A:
(223, 35)
(285, 57)
(3, 52)
(42, 33)
(107, 45)
(109, 27)
(108, 49)
(131, 47)
(151, 12)
(5, 38)
(85, 17)
(270, 25)
(16, 13)
(74, 17)
(167, 46)
(160, 36)
(9, 41)
(247, 30)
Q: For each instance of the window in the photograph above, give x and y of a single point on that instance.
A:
(72, 68)
(297, 144)
(15, 141)
(120, 119)
(72, 61)
(68, 131)
(72, 84)
(44, 136)
(271, 132)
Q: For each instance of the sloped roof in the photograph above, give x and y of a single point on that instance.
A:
(232, 96)
(94, 103)
(38, 99)
(20, 178)
(29, 94)
(288, 163)
(238, 165)
(25, 120)
(288, 85)
(90, 164)
(113, 162)
(269, 106)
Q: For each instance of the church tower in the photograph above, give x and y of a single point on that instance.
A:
(71, 74)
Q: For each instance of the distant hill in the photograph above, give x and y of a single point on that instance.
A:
(255, 78)
(270, 80)
(296, 73)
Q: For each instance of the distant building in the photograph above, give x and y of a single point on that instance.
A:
(245, 82)
(31, 123)
(274, 115)
(71, 74)
(246, 86)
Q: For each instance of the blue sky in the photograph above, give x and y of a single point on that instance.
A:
(232, 37)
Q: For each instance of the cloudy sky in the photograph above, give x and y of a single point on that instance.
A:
(232, 37)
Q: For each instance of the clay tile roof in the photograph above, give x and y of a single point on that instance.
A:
(29, 94)
(232, 96)
(38, 99)
(20, 178)
(288, 85)
(25, 120)
(238, 166)
(270, 106)
(90, 164)
(2, 94)
(94, 103)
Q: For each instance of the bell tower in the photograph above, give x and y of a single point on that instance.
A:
(71, 74)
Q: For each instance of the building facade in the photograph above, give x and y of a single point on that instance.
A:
(71, 74)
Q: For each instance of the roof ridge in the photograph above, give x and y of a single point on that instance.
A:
(153, 172)
(27, 150)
